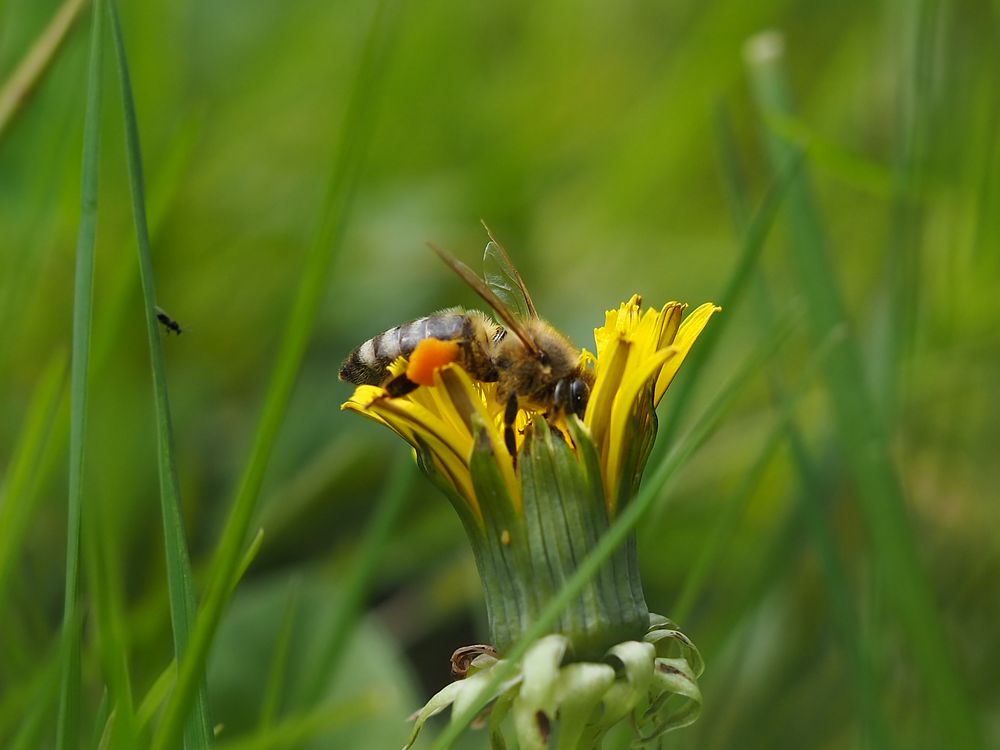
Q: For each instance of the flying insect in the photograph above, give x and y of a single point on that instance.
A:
(533, 364)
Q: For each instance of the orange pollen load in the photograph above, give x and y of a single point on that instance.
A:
(429, 355)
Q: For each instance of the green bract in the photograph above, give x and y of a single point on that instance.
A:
(524, 558)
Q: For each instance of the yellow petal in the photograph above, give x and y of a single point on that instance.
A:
(449, 447)
(670, 317)
(469, 400)
(610, 371)
(631, 389)
(687, 334)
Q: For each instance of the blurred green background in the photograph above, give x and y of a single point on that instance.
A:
(615, 147)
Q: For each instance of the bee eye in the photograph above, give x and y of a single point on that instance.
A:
(559, 394)
(578, 394)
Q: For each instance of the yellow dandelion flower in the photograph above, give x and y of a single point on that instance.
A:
(638, 354)
(534, 512)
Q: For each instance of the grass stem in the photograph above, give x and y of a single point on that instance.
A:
(67, 722)
(179, 580)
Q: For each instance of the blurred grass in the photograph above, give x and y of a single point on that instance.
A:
(20, 489)
(814, 496)
(348, 160)
(70, 693)
(862, 424)
(179, 584)
(377, 538)
(584, 136)
(18, 87)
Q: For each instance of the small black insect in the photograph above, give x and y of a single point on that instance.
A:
(168, 323)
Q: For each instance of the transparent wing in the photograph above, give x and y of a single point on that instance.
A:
(508, 316)
(502, 277)
(499, 278)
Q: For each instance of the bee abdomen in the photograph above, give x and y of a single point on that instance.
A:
(369, 363)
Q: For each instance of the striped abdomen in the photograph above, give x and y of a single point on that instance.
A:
(369, 363)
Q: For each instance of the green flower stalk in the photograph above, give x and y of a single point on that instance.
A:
(531, 517)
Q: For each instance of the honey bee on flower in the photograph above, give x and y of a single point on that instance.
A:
(502, 376)
(533, 365)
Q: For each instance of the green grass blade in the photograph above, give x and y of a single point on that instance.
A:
(747, 226)
(156, 695)
(36, 718)
(17, 89)
(32, 706)
(863, 434)
(903, 262)
(248, 557)
(102, 558)
(813, 489)
(107, 332)
(725, 525)
(41, 687)
(102, 721)
(275, 687)
(377, 538)
(306, 729)
(616, 534)
(179, 580)
(753, 244)
(67, 725)
(20, 484)
(122, 293)
(355, 135)
(14, 520)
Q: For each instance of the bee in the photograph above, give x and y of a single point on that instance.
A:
(169, 324)
(534, 365)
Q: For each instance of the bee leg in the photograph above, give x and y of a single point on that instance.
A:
(400, 386)
(509, 418)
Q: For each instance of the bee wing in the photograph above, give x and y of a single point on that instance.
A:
(502, 277)
(479, 287)
(503, 284)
